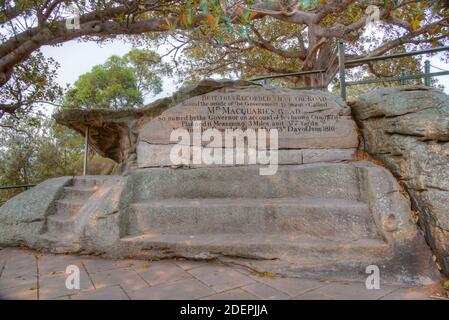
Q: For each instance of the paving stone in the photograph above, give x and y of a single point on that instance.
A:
(412, 294)
(265, 292)
(220, 277)
(57, 264)
(127, 278)
(17, 280)
(234, 294)
(22, 292)
(20, 261)
(6, 253)
(312, 295)
(290, 286)
(98, 264)
(61, 298)
(161, 272)
(169, 280)
(19, 270)
(2, 265)
(51, 286)
(180, 290)
(354, 291)
(189, 264)
(108, 293)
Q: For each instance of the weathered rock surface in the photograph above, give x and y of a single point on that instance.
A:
(158, 155)
(310, 217)
(408, 130)
(23, 217)
(304, 119)
(312, 126)
(320, 120)
(329, 219)
(113, 134)
(326, 219)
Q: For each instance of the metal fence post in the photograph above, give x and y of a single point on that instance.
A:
(341, 67)
(86, 150)
(426, 72)
(404, 82)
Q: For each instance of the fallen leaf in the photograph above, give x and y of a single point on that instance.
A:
(446, 285)
(266, 275)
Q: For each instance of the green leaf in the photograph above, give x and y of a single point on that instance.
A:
(446, 285)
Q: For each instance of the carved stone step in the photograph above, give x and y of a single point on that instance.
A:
(60, 224)
(60, 242)
(318, 181)
(68, 207)
(78, 193)
(255, 246)
(90, 181)
(316, 217)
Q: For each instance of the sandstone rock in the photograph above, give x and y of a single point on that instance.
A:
(408, 130)
(113, 134)
(304, 119)
(23, 217)
(327, 155)
(322, 219)
(158, 155)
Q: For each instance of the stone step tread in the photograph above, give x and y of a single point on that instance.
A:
(61, 218)
(58, 236)
(238, 202)
(292, 216)
(71, 202)
(81, 189)
(94, 177)
(254, 239)
(90, 181)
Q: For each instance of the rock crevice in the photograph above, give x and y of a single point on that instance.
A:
(408, 130)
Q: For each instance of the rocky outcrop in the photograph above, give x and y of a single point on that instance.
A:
(319, 214)
(113, 133)
(23, 218)
(327, 220)
(408, 130)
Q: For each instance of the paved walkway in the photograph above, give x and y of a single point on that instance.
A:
(25, 274)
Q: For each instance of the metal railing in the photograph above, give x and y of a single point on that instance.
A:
(25, 186)
(342, 63)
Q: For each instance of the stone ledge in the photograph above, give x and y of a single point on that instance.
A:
(156, 155)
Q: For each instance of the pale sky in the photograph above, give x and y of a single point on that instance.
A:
(76, 58)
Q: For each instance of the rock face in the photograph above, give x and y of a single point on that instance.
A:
(113, 134)
(304, 119)
(123, 135)
(312, 126)
(408, 130)
(320, 213)
(23, 218)
(322, 219)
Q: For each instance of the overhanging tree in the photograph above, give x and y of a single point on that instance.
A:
(119, 83)
(241, 35)
(273, 37)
